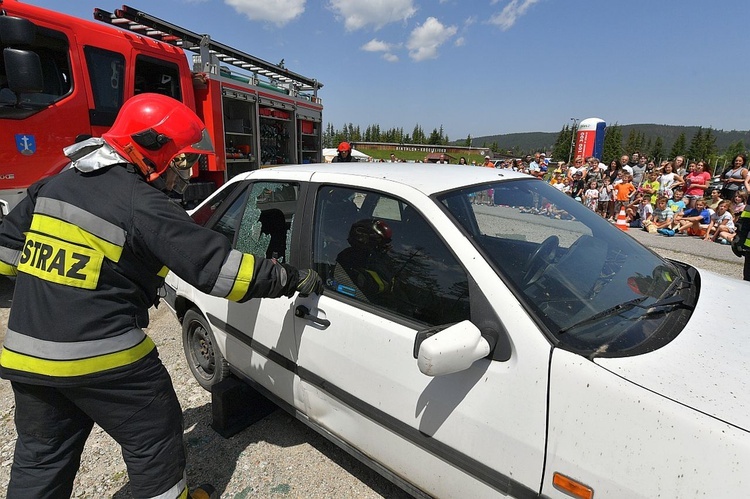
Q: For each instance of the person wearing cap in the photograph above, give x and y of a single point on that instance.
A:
(578, 186)
(535, 167)
(544, 163)
(488, 162)
(344, 153)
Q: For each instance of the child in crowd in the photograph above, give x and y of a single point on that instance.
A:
(632, 208)
(557, 179)
(591, 196)
(567, 186)
(606, 199)
(662, 216)
(715, 199)
(645, 214)
(623, 191)
(651, 186)
(578, 186)
(721, 228)
(677, 203)
(694, 222)
(669, 180)
(738, 204)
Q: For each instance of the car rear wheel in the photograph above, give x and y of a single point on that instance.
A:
(206, 362)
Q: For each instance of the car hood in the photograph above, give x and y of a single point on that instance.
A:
(707, 366)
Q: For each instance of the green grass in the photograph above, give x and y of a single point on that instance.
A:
(412, 155)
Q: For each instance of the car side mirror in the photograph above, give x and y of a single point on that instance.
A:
(452, 349)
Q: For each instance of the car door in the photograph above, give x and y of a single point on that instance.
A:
(472, 433)
(259, 221)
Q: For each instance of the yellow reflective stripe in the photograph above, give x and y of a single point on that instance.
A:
(65, 368)
(6, 269)
(74, 234)
(57, 261)
(163, 272)
(745, 214)
(377, 279)
(243, 279)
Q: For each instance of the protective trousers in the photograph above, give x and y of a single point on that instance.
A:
(140, 412)
(741, 242)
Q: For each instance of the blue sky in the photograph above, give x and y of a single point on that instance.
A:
(485, 67)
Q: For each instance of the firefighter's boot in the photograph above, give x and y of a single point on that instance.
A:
(739, 243)
(204, 491)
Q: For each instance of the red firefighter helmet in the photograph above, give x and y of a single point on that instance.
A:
(151, 129)
(344, 146)
(370, 234)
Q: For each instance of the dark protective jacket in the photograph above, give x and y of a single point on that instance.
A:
(341, 159)
(90, 251)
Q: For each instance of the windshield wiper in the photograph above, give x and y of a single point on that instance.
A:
(674, 302)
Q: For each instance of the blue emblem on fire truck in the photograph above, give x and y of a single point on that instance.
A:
(26, 144)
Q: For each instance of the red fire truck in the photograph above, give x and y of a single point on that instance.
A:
(64, 78)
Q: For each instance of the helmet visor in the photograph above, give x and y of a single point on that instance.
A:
(203, 146)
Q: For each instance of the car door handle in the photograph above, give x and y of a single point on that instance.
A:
(304, 313)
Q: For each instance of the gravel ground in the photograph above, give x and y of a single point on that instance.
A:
(277, 456)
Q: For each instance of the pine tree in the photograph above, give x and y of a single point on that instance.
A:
(612, 144)
(434, 137)
(735, 149)
(697, 145)
(562, 147)
(417, 135)
(657, 152)
(328, 135)
(709, 144)
(679, 147)
(467, 142)
(632, 144)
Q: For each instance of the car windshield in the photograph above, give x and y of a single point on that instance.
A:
(593, 287)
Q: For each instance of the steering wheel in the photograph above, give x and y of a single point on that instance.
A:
(540, 259)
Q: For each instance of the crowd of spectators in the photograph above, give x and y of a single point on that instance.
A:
(669, 198)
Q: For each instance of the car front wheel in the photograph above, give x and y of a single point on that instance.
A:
(206, 362)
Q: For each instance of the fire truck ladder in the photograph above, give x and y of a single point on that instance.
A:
(209, 51)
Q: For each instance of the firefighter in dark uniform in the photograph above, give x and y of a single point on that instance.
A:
(344, 154)
(89, 248)
(364, 268)
(741, 242)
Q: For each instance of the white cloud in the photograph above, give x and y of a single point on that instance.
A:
(460, 41)
(375, 45)
(510, 14)
(278, 12)
(390, 57)
(425, 40)
(358, 14)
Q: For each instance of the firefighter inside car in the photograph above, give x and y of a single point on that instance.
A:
(89, 249)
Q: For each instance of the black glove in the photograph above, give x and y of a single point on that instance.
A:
(309, 283)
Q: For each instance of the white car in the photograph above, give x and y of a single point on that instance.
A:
(481, 334)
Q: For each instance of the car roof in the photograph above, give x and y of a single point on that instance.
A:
(427, 178)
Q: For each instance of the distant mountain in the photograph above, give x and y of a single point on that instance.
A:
(539, 141)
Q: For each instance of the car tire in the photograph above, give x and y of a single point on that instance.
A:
(205, 361)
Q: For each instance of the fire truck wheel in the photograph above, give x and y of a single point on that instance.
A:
(206, 362)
